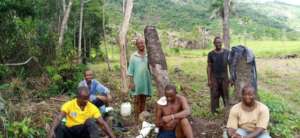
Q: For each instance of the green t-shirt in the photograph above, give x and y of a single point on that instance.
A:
(138, 69)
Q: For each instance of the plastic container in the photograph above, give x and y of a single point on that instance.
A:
(125, 109)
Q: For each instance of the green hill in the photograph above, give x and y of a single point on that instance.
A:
(249, 19)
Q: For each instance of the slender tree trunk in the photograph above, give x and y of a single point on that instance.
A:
(122, 43)
(225, 20)
(104, 37)
(80, 31)
(157, 60)
(84, 49)
(64, 5)
(63, 26)
(123, 7)
(74, 36)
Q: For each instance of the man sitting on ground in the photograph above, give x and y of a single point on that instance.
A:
(99, 94)
(81, 117)
(249, 118)
(171, 118)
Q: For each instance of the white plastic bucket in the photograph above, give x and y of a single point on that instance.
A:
(125, 109)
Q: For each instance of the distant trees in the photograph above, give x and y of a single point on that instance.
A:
(49, 29)
(66, 14)
(221, 8)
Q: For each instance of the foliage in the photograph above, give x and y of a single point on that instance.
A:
(64, 77)
(21, 129)
(4, 72)
(177, 15)
(284, 120)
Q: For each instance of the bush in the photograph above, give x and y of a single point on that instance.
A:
(284, 122)
(4, 72)
(21, 129)
(65, 78)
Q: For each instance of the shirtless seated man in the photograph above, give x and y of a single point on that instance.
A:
(171, 117)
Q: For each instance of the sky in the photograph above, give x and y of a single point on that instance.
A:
(294, 2)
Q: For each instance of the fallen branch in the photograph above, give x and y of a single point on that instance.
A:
(18, 64)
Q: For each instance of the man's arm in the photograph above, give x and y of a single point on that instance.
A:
(186, 109)
(55, 124)
(255, 133)
(106, 128)
(158, 115)
(232, 133)
(131, 83)
(106, 99)
(262, 123)
(232, 123)
(103, 93)
(209, 75)
(130, 73)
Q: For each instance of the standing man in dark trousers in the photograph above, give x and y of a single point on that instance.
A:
(217, 73)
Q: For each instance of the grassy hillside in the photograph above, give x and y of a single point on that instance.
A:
(249, 19)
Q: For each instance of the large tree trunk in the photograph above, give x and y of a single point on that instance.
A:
(104, 37)
(80, 31)
(225, 20)
(63, 26)
(122, 43)
(157, 60)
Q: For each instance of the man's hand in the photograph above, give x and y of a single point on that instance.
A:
(167, 118)
(131, 86)
(209, 84)
(236, 135)
(172, 123)
(231, 83)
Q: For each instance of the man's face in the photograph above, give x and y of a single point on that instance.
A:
(83, 98)
(170, 95)
(88, 76)
(140, 45)
(218, 43)
(248, 96)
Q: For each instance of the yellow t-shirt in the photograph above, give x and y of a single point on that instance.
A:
(75, 116)
(239, 118)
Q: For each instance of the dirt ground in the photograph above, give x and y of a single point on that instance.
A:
(280, 76)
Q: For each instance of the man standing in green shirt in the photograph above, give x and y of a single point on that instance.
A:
(140, 78)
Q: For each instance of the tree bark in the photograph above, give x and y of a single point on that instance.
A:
(63, 26)
(104, 37)
(157, 60)
(122, 43)
(80, 31)
(225, 20)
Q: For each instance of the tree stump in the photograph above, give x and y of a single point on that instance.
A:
(244, 77)
(156, 58)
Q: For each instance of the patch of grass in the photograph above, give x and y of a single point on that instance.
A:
(284, 122)
(262, 49)
(265, 49)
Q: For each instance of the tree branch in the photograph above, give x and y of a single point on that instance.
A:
(18, 64)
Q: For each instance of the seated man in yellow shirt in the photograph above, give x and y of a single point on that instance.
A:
(81, 117)
(249, 118)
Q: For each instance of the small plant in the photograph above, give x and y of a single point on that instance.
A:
(21, 129)
(4, 72)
